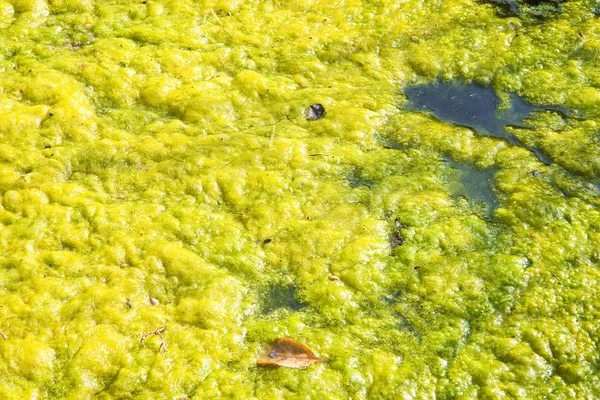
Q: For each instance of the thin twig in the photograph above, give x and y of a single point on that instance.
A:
(272, 138)
(3, 336)
(220, 23)
(163, 343)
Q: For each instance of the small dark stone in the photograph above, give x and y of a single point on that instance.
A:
(315, 112)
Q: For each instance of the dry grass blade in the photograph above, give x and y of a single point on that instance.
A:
(286, 352)
(220, 23)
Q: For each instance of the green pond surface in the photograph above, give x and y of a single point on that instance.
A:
(158, 170)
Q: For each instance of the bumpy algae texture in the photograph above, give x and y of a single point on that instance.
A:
(159, 149)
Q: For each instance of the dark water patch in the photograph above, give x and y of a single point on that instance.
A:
(405, 324)
(391, 298)
(470, 105)
(543, 157)
(356, 180)
(283, 296)
(476, 185)
(477, 107)
(528, 10)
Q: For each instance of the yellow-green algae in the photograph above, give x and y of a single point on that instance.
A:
(151, 149)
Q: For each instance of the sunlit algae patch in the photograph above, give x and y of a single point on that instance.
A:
(173, 201)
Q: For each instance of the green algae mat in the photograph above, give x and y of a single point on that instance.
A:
(171, 206)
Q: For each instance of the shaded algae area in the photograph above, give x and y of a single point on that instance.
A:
(157, 170)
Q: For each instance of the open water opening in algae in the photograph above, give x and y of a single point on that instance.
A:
(477, 107)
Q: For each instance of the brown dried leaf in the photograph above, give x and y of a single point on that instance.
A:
(286, 352)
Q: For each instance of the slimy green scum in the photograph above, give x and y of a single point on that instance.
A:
(170, 207)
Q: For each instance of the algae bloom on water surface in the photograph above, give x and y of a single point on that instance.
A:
(170, 206)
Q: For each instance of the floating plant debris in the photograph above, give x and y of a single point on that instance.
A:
(163, 343)
(288, 353)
